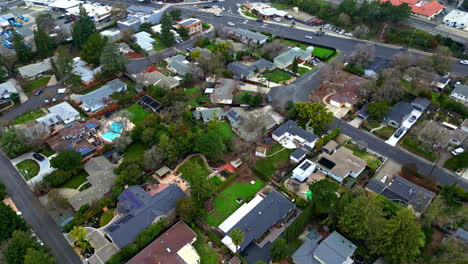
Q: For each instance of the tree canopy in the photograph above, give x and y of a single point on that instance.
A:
(378, 109)
(92, 48)
(34, 256)
(9, 222)
(66, 160)
(112, 61)
(316, 113)
(23, 51)
(44, 43)
(167, 37)
(83, 28)
(279, 249)
(13, 142)
(237, 236)
(18, 246)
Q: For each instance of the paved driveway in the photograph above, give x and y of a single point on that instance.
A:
(44, 166)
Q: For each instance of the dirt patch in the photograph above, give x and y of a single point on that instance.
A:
(421, 182)
(343, 85)
(436, 239)
(245, 175)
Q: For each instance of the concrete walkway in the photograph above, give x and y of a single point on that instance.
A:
(377, 128)
(356, 122)
(44, 166)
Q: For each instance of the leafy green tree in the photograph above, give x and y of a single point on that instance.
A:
(295, 66)
(167, 37)
(34, 256)
(9, 222)
(175, 14)
(211, 145)
(92, 48)
(201, 187)
(146, 27)
(17, 247)
(83, 28)
(316, 113)
(184, 33)
(237, 237)
(130, 173)
(112, 60)
(378, 109)
(58, 177)
(64, 62)
(13, 142)
(186, 209)
(166, 146)
(78, 233)
(44, 43)
(66, 160)
(324, 196)
(23, 52)
(279, 249)
(3, 192)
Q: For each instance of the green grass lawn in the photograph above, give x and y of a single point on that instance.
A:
(322, 52)
(280, 6)
(302, 70)
(216, 180)
(249, 14)
(416, 146)
(268, 165)
(106, 217)
(34, 114)
(135, 152)
(210, 46)
(159, 45)
(47, 151)
(242, 98)
(75, 181)
(28, 168)
(370, 124)
(225, 129)
(208, 255)
(35, 84)
(372, 161)
(385, 132)
(186, 168)
(225, 203)
(277, 76)
(138, 113)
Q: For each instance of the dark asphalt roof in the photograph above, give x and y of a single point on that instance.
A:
(423, 102)
(376, 186)
(298, 153)
(273, 208)
(239, 69)
(292, 128)
(461, 89)
(305, 254)
(399, 111)
(142, 210)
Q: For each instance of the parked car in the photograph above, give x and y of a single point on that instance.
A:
(399, 132)
(412, 119)
(319, 33)
(277, 19)
(218, 15)
(38, 92)
(464, 62)
(38, 156)
(458, 151)
(308, 37)
(384, 179)
(260, 20)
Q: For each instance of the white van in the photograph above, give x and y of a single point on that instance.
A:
(458, 151)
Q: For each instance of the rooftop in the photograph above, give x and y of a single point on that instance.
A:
(292, 128)
(335, 249)
(189, 22)
(342, 162)
(399, 111)
(250, 34)
(461, 89)
(223, 91)
(98, 96)
(35, 69)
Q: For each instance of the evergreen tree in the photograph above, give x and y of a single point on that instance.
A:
(34, 256)
(91, 50)
(23, 52)
(167, 37)
(9, 222)
(237, 237)
(84, 27)
(64, 62)
(17, 247)
(112, 60)
(295, 66)
(44, 43)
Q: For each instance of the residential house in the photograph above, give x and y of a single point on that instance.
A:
(156, 29)
(144, 40)
(82, 69)
(304, 170)
(138, 15)
(155, 78)
(374, 67)
(222, 93)
(8, 88)
(61, 113)
(265, 11)
(63, 6)
(249, 125)
(421, 104)
(244, 71)
(246, 36)
(286, 58)
(460, 93)
(362, 113)
(194, 25)
(335, 249)
(208, 114)
(255, 218)
(261, 152)
(36, 70)
(440, 83)
(178, 64)
(97, 99)
(113, 35)
(446, 135)
(341, 164)
(77, 136)
(139, 210)
(290, 135)
(330, 147)
(403, 191)
(175, 246)
(398, 114)
(101, 177)
(100, 13)
(149, 103)
(298, 154)
(348, 95)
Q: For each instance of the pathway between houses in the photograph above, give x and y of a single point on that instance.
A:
(271, 155)
(193, 155)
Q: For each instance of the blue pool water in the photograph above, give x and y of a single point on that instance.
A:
(114, 131)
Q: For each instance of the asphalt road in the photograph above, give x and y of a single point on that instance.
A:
(35, 214)
(440, 175)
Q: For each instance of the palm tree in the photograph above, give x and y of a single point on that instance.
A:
(237, 237)
(78, 233)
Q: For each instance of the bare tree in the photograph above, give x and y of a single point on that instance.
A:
(419, 77)
(330, 70)
(344, 19)
(118, 11)
(35, 133)
(174, 113)
(123, 141)
(273, 48)
(210, 63)
(431, 134)
(425, 63)
(360, 31)
(441, 60)
(153, 158)
(368, 89)
(56, 200)
(363, 54)
(389, 91)
(222, 33)
(197, 72)
(402, 61)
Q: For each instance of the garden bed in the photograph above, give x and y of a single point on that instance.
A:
(28, 168)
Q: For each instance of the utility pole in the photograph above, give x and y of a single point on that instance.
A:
(411, 40)
(383, 31)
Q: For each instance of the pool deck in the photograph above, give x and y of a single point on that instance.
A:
(106, 127)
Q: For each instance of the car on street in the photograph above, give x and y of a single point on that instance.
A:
(259, 20)
(464, 62)
(38, 92)
(38, 156)
(25, 19)
(308, 37)
(218, 15)
(238, 5)
(319, 33)
(215, 6)
(230, 24)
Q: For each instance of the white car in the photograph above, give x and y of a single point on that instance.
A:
(458, 151)
(238, 5)
(384, 179)
(277, 19)
(230, 24)
(215, 6)
(218, 15)
(464, 62)
(308, 37)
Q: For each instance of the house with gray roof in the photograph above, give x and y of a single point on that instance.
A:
(421, 104)
(255, 218)
(155, 78)
(139, 210)
(223, 91)
(248, 71)
(7, 88)
(402, 191)
(286, 58)
(298, 155)
(60, 113)
(96, 99)
(248, 36)
(208, 114)
(36, 70)
(460, 93)
(398, 114)
(178, 64)
(290, 135)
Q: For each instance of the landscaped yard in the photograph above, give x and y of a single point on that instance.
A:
(75, 181)
(372, 161)
(208, 255)
(187, 167)
(28, 168)
(277, 76)
(225, 203)
(138, 113)
(322, 52)
(35, 84)
(135, 152)
(279, 6)
(385, 132)
(302, 70)
(106, 217)
(268, 165)
(370, 124)
(34, 114)
(225, 129)
(249, 14)
(418, 147)
(159, 45)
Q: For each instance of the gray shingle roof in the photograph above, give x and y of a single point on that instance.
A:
(97, 96)
(142, 210)
(399, 111)
(273, 208)
(292, 128)
(305, 254)
(250, 34)
(239, 69)
(423, 102)
(178, 63)
(298, 153)
(363, 112)
(335, 249)
(233, 116)
(461, 89)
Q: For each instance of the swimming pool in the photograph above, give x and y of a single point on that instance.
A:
(114, 131)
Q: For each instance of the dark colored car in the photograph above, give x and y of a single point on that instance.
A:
(260, 20)
(38, 156)
(318, 33)
(412, 119)
(399, 132)
(38, 92)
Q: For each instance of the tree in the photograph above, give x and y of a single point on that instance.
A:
(175, 14)
(3, 192)
(441, 60)
(9, 222)
(211, 145)
(153, 158)
(35, 134)
(83, 28)
(92, 48)
(167, 37)
(66, 160)
(202, 188)
(210, 63)
(122, 142)
(17, 247)
(78, 233)
(316, 113)
(130, 173)
(452, 251)
(112, 61)
(23, 52)
(378, 109)
(324, 195)
(186, 209)
(13, 142)
(279, 249)
(237, 237)
(184, 33)
(64, 62)
(271, 49)
(194, 55)
(295, 66)
(402, 61)
(119, 11)
(361, 31)
(34, 256)
(44, 43)
(362, 55)
(344, 19)
(166, 147)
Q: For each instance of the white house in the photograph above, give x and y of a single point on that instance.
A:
(287, 58)
(460, 92)
(61, 113)
(304, 170)
(457, 18)
(7, 88)
(144, 40)
(290, 135)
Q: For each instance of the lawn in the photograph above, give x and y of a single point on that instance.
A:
(249, 14)
(186, 168)
(370, 124)
(135, 152)
(385, 132)
(28, 168)
(280, 6)
(106, 217)
(268, 165)
(225, 129)
(35, 84)
(138, 113)
(225, 203)
(372, 161)
(417, 147)
(75, 181)
(322, 52)
(302, 70)
(33, 115)
(277, 76)
(208, 255)
(159, 45)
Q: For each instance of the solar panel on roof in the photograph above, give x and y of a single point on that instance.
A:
(305, 166)
(326, 163)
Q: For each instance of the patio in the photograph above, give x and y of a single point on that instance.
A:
(301, 188)
(172, 178)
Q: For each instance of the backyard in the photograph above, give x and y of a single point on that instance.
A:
(207, 254)
(75, 181)
(277, 76)
(29, 116)
(225, 129)
(135, 152)
(187, 167)
(138, 113)
(28, 168)
(35, 84)
(372, 161)
(414, 145)
(225, 203)
(268, 165)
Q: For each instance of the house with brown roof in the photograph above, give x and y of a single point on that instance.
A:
(173, 247)
(348, 95)
(341, 164)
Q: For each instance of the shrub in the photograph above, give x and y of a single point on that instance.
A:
(354, 69)
(58, 177)
(324, 140)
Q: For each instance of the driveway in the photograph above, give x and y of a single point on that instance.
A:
(44, 166)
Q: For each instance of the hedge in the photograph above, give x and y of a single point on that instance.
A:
(297, 226)
(324, 140)
(354, 69)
